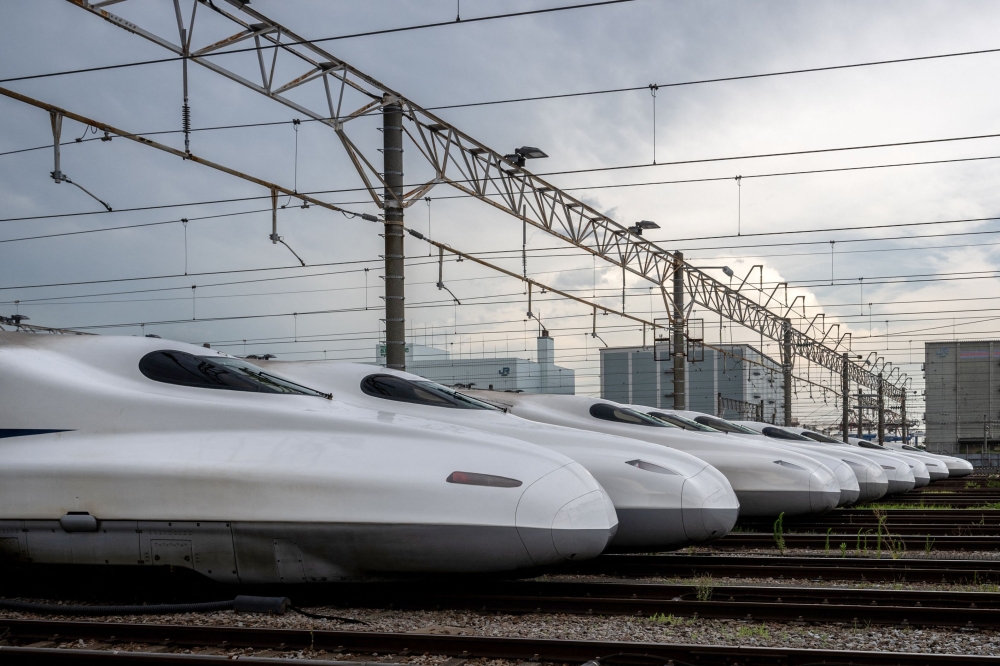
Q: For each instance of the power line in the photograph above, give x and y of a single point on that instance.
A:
(306, 42)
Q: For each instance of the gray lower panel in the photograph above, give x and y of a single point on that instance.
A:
(899, 487)
(297, 552)
(774, 502)
(708, 524)
(301, 552)
(849, 497)
(872, 491)
(643, 530)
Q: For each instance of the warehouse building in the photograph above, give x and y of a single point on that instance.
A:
(499, 374)
(743, 377)
(962, 381)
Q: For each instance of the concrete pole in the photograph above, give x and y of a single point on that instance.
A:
(395, 308)
(845, 393)
(902, 415)
(861, 413)
(881, 411)
(786, 368)
(679, 351)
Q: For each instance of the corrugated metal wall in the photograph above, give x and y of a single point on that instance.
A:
(962, 380)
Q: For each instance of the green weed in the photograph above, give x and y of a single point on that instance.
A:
(671, 619)
(779, 533)
(753, 631)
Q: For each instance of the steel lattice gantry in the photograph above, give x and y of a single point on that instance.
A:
(466, 164)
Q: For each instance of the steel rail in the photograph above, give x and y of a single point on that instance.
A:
(865, 538)
(815, 568)
(771, 603)
(619, 653)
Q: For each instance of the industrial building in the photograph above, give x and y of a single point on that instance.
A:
(963, 405)
(749, 383)
(499, 374)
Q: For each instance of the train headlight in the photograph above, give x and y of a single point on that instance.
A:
(650, 467)
(476, 479)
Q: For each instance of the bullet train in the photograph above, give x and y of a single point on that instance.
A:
(957, 467)
(853, 486)
(891, 461)
(663, 498)
(872, 477)
(767, 481)
(731, 427)
(937, 468)
(142, 451)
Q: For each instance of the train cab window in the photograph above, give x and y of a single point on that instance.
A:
(681, 422)
(723, 425)
(217, 372)
(778, 433)
(391, 387)
(865, 444)
(606, 412)
(819, 437)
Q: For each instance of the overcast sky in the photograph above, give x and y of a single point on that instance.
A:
(625, 45)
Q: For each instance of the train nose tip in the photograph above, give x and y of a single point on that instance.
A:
(824, 490)
(565, 515)
(709, 506)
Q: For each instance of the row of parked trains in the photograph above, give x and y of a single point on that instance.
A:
(141, 451)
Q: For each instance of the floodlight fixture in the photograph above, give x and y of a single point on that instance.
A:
(642, 224)
(525, 153)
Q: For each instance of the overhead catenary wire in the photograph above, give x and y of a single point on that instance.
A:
(369, 33)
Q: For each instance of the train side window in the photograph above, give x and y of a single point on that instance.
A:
(606, 412)
(228, 374)
(391, 387)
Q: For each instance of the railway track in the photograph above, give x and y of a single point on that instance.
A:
(942, 522)
(704, 600)
(864, 539)
(810, 568)
(388, 646)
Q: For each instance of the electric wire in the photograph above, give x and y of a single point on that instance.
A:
(307, 42)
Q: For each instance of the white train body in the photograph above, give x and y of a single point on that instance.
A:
(100, 463)
(767, 481)
(957, 467)
(873, 481)
(846, 476)
(897, 469)
(936, 468)
(663, 498)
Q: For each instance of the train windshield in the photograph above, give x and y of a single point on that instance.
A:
(723, 425)
(606, 412)
(421, 392)
(217, 372)
(681, 422)
(778, 433)
(865, 444)
(819, 437)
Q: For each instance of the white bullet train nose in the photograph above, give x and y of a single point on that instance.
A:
(901, 479)
(709, 506)
(562, 517)
(957, 467)
(872, 479)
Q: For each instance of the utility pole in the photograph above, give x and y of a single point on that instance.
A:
(902, 415)
(861, 413)
(679, 356)
(845, 392)
(786, 368)
(881, 411)
(395, 305)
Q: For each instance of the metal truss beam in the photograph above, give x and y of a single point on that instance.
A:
(470, 166)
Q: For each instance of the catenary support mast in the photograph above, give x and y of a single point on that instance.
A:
(680, 388)
(395, 304)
